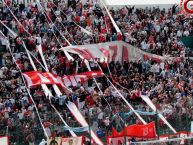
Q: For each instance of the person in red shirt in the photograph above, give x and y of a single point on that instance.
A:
(102, 38)
(119, 37)
(90, 101)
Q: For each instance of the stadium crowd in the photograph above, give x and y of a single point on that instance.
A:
(170, 83)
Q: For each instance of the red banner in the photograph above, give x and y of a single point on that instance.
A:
(138, 131)
(35, 78)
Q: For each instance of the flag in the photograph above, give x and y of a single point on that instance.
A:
(138, 131)
(83, 53)
(73, 80)
(105, 52)
(114, 50)
(117, 134)
(125, 55)
(141, 131)
(35, 78)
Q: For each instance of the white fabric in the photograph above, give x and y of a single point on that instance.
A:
(134, 53)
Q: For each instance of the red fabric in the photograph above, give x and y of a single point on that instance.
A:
(114, 49)
(35, 78)
(105, 52)
(67, 64)
(139, 131)
(117, 134)
(89, 53)
(125, 55)
(83, 53)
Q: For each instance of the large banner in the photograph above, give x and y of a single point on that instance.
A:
(133, 131)
(72, 141)
(138, 131)
(35, 78)
(116, 51)
(4, 140)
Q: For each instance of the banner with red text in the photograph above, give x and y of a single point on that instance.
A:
(116, 51)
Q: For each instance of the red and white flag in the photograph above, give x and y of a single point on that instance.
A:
(35, 78)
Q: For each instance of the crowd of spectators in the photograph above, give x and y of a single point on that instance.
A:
(170, 83)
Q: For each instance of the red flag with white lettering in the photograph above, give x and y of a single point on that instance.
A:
(35, 78)
(138, 131)
(141, 131)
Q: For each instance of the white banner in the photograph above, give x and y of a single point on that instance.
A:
(4, 140)
(118, 51)
(72, 141)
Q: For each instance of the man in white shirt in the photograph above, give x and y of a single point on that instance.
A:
(186, 33)
(157, 28)
(179, 33)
